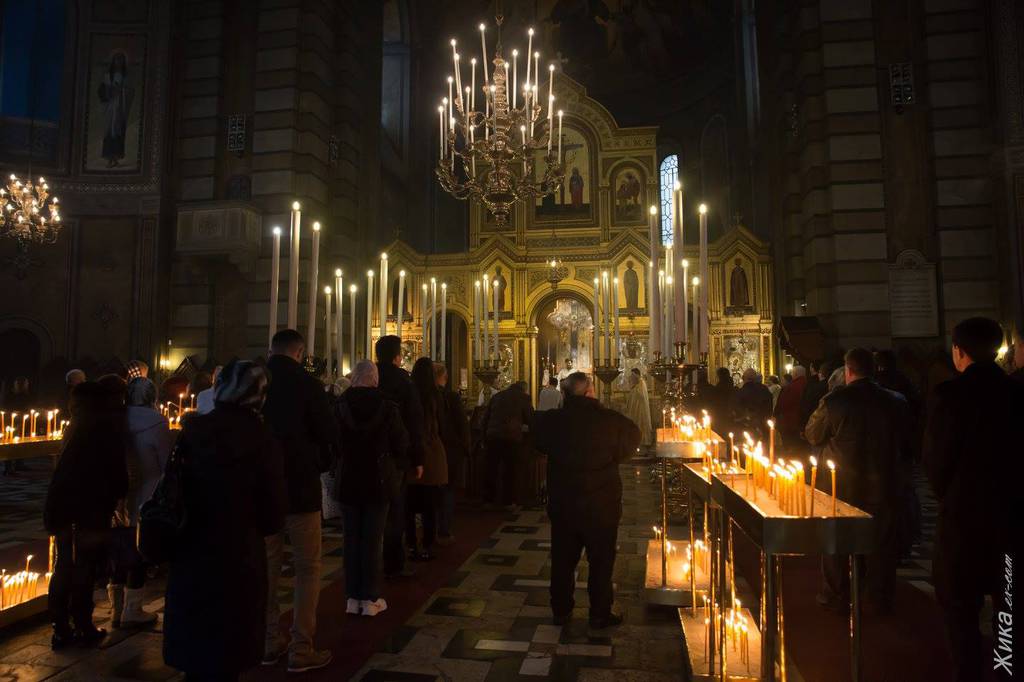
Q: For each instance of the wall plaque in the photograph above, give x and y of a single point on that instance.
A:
(914, 307)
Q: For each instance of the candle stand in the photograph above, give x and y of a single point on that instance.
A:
(607, 373)
(486, 372)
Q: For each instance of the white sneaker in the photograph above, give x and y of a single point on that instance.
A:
(354, 606)
(372, 608)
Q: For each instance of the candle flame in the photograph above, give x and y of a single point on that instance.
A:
(702, 209)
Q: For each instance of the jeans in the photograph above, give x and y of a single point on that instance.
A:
(304, 534)
(364, 541)
(569, 538)
(425, 500)
(394, 530)
(74, 573)
(446, 510)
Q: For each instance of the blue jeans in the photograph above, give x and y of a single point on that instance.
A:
(446, 511)
(364, 543)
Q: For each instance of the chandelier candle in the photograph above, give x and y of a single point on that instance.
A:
(382, 285)
(352, 325)
(483, 48)
(472, 84)
(369, 312)
(400, 313)
(293, 267)
(444, 319)
(313, 290)
(327, 328)
(339, 293)
(275, 280)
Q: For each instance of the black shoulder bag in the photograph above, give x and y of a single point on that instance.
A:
(162, 517)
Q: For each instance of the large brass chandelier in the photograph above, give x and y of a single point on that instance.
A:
(491, 155)
(28, 213)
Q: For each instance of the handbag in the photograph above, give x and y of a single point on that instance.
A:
(163, 516)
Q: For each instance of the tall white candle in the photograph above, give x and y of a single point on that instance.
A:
(595, 349)
(483, 50)
(497, 319)
(400, 318)
(615, 312)
(472, 84)
(559, 136)
(328, 330)
(705, 317)
(440, 132)
(686, 315)
(607, 321)
(275, 281)
(551, 105)
(382, 286)
(339, 294)
(696, 319)
(666, 323)
(352, 326)
(293, 267)
(529, 51)
(444, 320)
(423, 318)
(451, 102)
(314, 290)
(661, 310)
(433, 317)
(515, 78)
(476, 320)
(369, 313)
(551, 93)
(654, 343)
(486, 319)
(679, 322)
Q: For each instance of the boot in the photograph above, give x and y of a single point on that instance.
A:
(133, 615)
(115, 594)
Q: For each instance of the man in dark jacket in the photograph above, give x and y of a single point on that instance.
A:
(585, 443)
(863, 428)
(298, 414)
(454, 431)
(970, 454)
(817, 387)
(753, 403)
(396, 385)
(506, 421)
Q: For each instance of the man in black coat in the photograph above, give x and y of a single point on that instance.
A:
(585, 443)
(863, 428)
(506, 420)
(970, 453)
(753, 403)
(396, 385)
(298, 414)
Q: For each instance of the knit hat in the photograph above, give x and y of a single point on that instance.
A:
(241, 383)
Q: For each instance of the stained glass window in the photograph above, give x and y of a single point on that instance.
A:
(669, 174)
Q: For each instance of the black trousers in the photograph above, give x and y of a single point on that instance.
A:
(79, 554)
(502, 482)
(394, 530)
(569, 537)
(423, 500)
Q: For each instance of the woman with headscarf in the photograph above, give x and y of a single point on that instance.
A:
(232, 478)
(89, 479)
(372, 437)
(424, 496)
(149, 445)
(638, 406)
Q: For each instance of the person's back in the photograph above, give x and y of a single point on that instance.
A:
(372, 438)
(396, 386)
(507, 413)
(550, 398)
(753, 402)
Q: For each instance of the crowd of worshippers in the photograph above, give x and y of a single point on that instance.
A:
(270, 455)
(880, 422)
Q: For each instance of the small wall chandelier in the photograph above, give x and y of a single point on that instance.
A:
(491, 155)
(28, 213)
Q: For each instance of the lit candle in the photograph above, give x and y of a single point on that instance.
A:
(559, 136)
(654, 299)
(771, 442)
(551, 88)
(352, 325)
(455, 66)
(497, 319)
(703, 254)
(483, 50)
(606, 320)
(696, 321)
(472, 84)
(476, 320)
(597, 345)
(615, 316)
(369, 313)
(451, 101)
(551, 104)
(529, 50)
(275, 279)
(814, 481)
(832, 468)
(433, 318)
(440, 131)
(685, 314)
(339, 289)
(382, 286)
(400, 316)
(51, 554)
(444, 320)
(328, 328)
(486, 318)
(313, 291)
(515, 77)
(293, 266)
(423, 318)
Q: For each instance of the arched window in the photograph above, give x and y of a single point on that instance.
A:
(669, 174)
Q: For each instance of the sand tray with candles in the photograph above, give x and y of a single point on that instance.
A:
(688, 450)
(743, 659)
(676, 591)
(29, 447)
(848, 530)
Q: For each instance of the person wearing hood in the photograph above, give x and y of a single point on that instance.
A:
(234, 496)
(89, 479)
(369, 474)
(148, 447)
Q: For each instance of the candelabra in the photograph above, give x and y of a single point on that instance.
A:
(28, 213)
(491, 155)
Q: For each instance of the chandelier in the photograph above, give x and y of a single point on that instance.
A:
(28, 213)
(492, 155)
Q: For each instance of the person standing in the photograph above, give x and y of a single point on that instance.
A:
(550, 397)
(298, 415)
(455, 437)
(775, 387)
(817, 387)
(638, 406)
(753, 404)
(149, 446)
(395, 384)
(585, 443)
(720, 400)
(505, 425)
(373, 440)
(787, 407)
(864, 429)
(234, 496)
(970, 459)
(424, 494)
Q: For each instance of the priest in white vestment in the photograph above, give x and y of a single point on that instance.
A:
(638, 406)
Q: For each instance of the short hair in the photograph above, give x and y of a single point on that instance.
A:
(979, 338)
(553, 381)
(799, 371)
(73, 377)
(287, 341)
(750, 374)
(520, 386)
(387, 349)
(577, 383)
(440, 370)
(860, 362)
